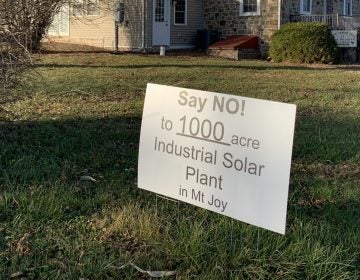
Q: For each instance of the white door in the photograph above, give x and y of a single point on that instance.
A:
(161, 23)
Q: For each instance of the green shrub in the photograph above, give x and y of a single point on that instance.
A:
(305, 43)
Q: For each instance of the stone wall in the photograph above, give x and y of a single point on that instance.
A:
(224, 16)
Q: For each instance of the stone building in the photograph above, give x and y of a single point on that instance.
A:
(263, 17)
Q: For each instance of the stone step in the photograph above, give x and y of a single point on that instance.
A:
(237, 47)
(236, 54)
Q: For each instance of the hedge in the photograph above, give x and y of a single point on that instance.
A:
(303, 42)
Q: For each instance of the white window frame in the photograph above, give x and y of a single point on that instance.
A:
(185, 14)
(351, 7)
(245, 14)
(302, 8)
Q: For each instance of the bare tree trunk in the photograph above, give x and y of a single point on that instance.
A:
(23, 24)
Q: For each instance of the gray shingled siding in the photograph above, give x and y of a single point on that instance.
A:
(186, 34)
(179, 34)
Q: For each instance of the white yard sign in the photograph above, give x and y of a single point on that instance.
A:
(345, 39)
(228, 154)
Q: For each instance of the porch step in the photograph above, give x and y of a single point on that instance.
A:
(236, 47)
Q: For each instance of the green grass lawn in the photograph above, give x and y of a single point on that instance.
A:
(79, 115)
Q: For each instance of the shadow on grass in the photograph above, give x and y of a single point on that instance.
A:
(40, 150)
(232, 64)
(42, 163)
(182, 66)
(58, 152)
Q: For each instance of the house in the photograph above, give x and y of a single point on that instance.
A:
(148, 24)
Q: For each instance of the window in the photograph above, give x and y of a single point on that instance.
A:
(120, 13)
(249, 7)
(348, 8)
(305, 7)
(85, 8)
(160, 11)
(77, 8)
(92, 8)
(180, 8)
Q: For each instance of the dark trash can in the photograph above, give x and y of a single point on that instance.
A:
(215, 36)
(203, 39)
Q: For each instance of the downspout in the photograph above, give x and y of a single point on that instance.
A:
(279, 13)
(325, 11)
(143, 26)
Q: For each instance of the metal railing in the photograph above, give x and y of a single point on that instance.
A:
(334, 21)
